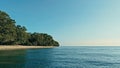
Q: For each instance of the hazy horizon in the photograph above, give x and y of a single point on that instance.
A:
(70, 22)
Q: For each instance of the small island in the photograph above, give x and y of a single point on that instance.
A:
(13, 35)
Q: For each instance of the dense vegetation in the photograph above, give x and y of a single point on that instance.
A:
(11, 34)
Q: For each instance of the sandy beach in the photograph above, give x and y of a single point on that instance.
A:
(14, 47)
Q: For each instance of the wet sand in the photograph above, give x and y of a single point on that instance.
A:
(14, 47)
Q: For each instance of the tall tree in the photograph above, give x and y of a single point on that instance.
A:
(22, 35)
(7, 29)
(16, 34)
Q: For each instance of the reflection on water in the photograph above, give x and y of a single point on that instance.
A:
(12, 59)
(33, 58)
(62, 57)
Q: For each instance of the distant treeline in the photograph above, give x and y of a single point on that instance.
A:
(11, 34)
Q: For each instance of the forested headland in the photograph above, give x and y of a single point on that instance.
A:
(12, 34)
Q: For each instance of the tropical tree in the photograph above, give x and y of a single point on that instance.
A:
(16, 34)
(7, 29)
(42, 39)
(22, 35)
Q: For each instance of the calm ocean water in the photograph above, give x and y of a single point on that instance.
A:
(62, 57)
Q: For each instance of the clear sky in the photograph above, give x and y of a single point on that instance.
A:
(71, 22)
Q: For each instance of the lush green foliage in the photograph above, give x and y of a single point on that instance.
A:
(11, 34)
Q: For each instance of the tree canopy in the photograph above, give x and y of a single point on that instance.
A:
(12, 34)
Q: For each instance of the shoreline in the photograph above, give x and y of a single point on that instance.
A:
(16, 47)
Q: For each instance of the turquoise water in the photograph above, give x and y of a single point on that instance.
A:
(62, 57)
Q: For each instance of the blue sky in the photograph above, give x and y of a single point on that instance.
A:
(71, 22)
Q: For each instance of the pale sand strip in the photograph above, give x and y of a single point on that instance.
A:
(14, 47)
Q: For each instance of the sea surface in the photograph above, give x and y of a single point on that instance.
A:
(62, 57)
